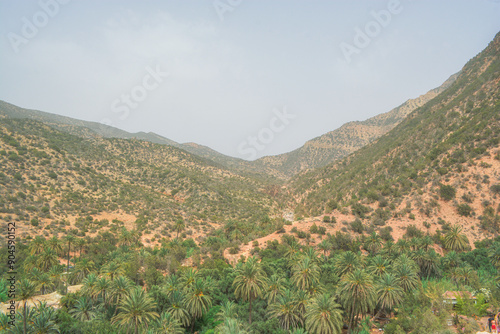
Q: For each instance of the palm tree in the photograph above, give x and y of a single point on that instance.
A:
(26, 290)
(113, 269)
(379, 266)
(324, 246)
(47, 259)
(406, 275)
(70, 239)
(126, 238)
(292, 249)
(89, 285)
(402, 246)
(311, 253)
(323, 316)
(82, 268)
(119, 288)
(37, 245)
(55, 244)
(494, 254)
(346, 262)
(197, 300)
(432, 260)
(179, 226)
(231, 326)
(135, 310)
(84, 310)
(44, 321)
(373, 243)
(462, 275)
(451, 260)
(455, 239)
(173, 283)
(389, 292)
(275, 288)
(177, 308)
(80, 244)
(305, 273)
(167, 324)
(189, 277)
(357, 294)
(44, 281)
(27, 318)
(285, 311)
(227, 311)
(300, 300)
(298, 331)
(427, 242)
(250, 282)
(102, 286)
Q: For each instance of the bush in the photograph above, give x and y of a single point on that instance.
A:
(360, 210)
(495, 189)
(447, 192)
(326, 219)
(385, 233)
(464, 210)
(413, 232)
(357, 226)
(34, 222)
(331, 205)
(313, 228)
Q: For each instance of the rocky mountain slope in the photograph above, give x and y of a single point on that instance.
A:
(339, 143)
(439, 166)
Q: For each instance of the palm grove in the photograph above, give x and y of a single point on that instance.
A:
(286, 287)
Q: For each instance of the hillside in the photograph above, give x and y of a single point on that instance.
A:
(53, 181)
(339, 143)
(439, 165)
(90, 130)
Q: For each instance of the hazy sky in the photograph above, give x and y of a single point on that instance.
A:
(219, 72)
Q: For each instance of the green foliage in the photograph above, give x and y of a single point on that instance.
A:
(464, 210)
(447, 192)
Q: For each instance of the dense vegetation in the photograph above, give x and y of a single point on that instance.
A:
(285, 288)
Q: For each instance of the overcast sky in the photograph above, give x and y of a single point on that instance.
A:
(219, 72)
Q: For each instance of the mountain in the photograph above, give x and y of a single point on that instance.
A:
(339, 143)
(315, 153)
(439, 166)
(52, 181)
(87, 129)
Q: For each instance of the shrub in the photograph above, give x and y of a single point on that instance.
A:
(360, 210)
(385, 233)
(313, 228)
(326, 219)
(331, 205)
(495, 189)
(357, 226)
(447, 192)
(464, 210)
